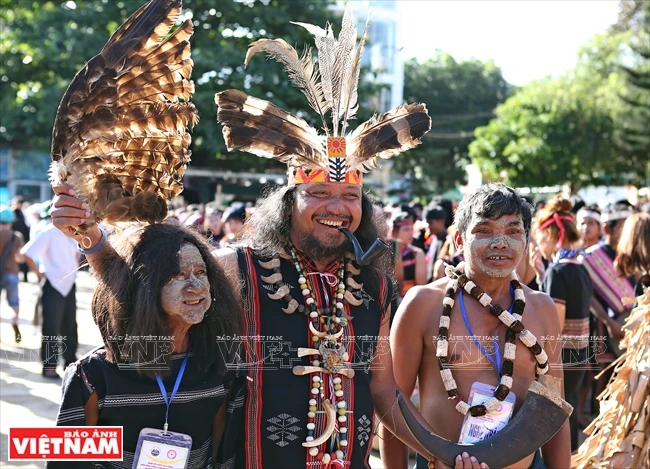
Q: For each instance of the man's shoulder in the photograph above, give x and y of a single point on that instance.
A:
(425, 296)
(539, 302)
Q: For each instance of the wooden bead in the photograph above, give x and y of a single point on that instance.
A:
(477, 410)
(501, 392)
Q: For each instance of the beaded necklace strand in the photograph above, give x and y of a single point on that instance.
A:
(333, 321)
(512, 322)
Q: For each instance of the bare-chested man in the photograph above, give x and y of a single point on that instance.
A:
(493, 228)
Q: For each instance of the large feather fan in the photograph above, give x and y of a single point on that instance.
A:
(259, 127)
(120, 137)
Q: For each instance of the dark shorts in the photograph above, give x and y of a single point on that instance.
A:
(9, 282)
(538, 462)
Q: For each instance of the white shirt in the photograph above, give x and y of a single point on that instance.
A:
(57, 255)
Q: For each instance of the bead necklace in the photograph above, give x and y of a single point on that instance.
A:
(328, 343)
(512, 322)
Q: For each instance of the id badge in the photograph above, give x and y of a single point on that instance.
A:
(477, 429)
(157, 449)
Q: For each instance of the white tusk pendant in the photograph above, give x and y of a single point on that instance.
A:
(330, 413)
(303, 352)
(291, 307)
(276, 277)
(281, 293)
(270, 265)
(351, 299)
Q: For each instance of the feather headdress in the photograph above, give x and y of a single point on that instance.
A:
(330, 86)
(120, 137)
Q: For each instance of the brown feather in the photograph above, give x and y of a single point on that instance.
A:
(120, 137)
(387, 135)
(257, 126)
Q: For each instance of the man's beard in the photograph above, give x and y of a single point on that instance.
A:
(316, 251)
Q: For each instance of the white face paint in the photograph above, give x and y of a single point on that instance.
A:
(187, 294)
(494, 247)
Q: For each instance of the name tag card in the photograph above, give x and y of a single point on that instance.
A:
(477, 429)
(157, 449)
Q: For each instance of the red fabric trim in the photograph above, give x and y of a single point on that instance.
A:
(254, 397)
(557, 300)
(350, 394)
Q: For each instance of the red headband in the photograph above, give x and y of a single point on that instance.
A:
(399, 224)
(557, 220)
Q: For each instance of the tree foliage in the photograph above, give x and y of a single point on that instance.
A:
(460, 96)
(589, 126)
(45, 43)
(633, 123)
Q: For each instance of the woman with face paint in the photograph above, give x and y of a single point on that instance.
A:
(569, 284)
(168, 317)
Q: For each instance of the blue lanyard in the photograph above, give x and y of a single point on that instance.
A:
(168, 400)
(487, 354)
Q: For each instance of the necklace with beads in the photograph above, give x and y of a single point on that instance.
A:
(515, 329)
(329, 362)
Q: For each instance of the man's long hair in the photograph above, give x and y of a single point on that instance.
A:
(127, 301)
(267, 233)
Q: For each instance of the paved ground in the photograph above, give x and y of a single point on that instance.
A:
(26, 398)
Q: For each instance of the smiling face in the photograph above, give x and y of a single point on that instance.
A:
(186, 297)
(493, 247)
(319, 211)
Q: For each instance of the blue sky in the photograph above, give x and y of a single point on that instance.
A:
(527, 39)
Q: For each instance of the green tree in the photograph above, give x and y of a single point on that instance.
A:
(566, 129)
(632, 135)
(45, 43)
(460, 97)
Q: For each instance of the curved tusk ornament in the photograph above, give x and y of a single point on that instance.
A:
(541, 416)
(281, 293)
(300, 370)
(330, 413)
(276, 277)
(303, 352)
(351, 299)
(270, 265)
(352, 283)
(324, 335)
(291, 307)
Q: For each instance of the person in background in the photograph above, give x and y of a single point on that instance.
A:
(633, 252)
(44, 220)
(196, 217)
(417, 209)
(58, 261)
(568, 283)
(21, 224)
(448, 206)
(212, 225)
(432, 239)
(578, 204)
(414, 268)
(609, 286)
(588, 219)
(233, 221)
(11, 242)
